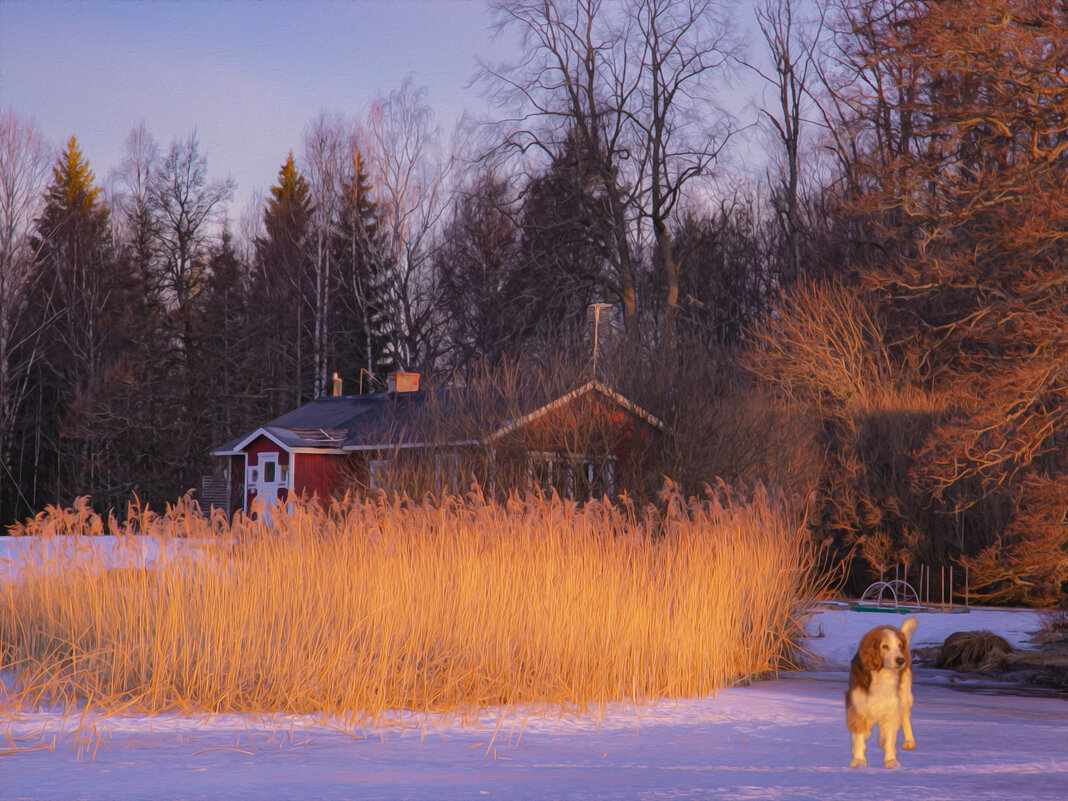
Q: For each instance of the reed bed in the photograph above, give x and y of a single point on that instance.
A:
(373, 607)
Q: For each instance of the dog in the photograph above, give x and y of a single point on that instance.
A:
(880, 693)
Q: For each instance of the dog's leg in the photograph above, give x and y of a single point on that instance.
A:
(906, 712)
(858, 745)
(859, 732)
(888, 730)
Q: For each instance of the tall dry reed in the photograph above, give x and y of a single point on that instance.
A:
(379, 606)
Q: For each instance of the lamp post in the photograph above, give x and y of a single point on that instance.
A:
(597, 309)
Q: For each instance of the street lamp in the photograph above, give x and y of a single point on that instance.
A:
(597, 309)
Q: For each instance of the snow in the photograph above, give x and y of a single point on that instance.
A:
(132, 552)
(782, 738)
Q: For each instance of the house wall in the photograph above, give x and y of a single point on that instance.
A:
(237, 484)
(581, 431)
(322, 475)
(311, 475)
(588, 425)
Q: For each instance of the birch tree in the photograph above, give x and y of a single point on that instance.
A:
(790, 45)
(409, 176)
(325, 146)
(134, 211)
(187, 204)
(23, 169)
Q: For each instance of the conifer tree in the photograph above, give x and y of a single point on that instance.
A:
(563, 262)
(233, 349)
(83, 293)
(362, 330)
(282, 288)
(477, 262)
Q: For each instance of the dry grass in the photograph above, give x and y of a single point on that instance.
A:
(450, 607)
(973, 652)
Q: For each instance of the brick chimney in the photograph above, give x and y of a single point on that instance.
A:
(402, 382)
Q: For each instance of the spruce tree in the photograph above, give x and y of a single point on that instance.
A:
(363, 322)
(282, 290)
(564, 263)
(82, 293)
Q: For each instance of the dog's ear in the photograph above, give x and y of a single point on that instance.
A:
(869, 650)
(859, 675)
(907, 628)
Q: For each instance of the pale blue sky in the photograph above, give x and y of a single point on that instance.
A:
(249, 76)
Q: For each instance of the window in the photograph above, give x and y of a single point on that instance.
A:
(378, 473)
(447, 471)
(577, 477)
(597, 479)
(268, 472)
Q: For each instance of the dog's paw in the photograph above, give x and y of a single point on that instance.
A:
(909, 745)
(858, 763)
(891, 764)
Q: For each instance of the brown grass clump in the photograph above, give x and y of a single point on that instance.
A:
(1054, 626)
(973, 652)
(445, 607)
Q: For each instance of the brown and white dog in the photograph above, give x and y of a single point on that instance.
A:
(880, 692)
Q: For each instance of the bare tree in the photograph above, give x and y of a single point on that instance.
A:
(24, 159)
(633, 85)
(677, 130)
(325, 149)
(951, 126)
(187, 204)
(409, 175)
(133, 210)
(562, 86)
(791, 44)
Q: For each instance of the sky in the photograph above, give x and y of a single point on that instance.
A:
(247, 76)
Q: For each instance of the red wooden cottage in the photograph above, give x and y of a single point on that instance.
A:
(590, 442)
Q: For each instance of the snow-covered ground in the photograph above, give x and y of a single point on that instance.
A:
(777, 739)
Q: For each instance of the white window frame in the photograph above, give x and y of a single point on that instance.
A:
(378, 473)
(447, 471)
(604, 466)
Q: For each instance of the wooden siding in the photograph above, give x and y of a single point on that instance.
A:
(589, 425)
(322, 475)
(589, 431)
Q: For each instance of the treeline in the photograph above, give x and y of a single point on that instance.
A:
(876, 321)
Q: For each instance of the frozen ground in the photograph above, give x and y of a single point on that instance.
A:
(778, 739)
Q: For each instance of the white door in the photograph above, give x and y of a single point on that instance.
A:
(264, 480)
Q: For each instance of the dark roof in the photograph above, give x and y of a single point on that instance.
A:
(406, 419)
(333, 422)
